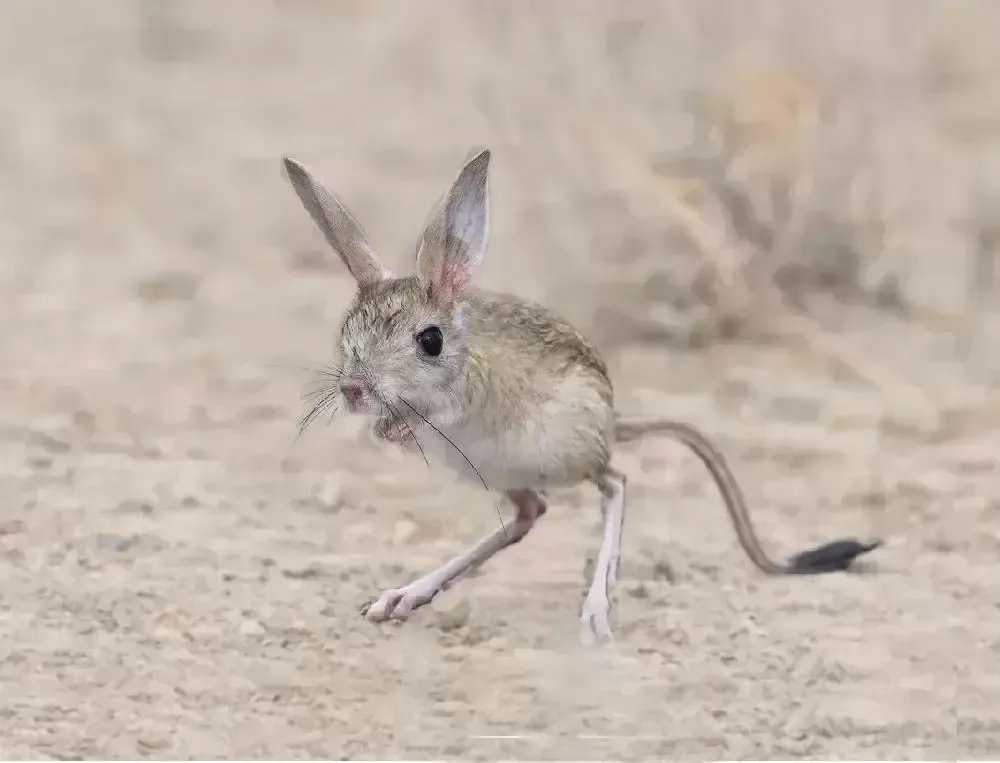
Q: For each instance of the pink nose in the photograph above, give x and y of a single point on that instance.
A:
(353, 392)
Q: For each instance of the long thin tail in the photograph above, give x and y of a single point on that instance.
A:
(830, 557)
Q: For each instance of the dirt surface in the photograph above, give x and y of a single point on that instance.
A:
(180, 577)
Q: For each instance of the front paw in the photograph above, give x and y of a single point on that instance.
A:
(395, 431)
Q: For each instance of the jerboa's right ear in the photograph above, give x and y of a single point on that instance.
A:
(338, 225)
(454, 239)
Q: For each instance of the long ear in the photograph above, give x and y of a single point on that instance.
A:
(338, 225)
(454, 240)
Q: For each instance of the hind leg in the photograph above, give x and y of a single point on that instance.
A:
(595, 618)
(399, 603)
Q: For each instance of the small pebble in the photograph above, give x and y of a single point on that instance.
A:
(663, 571)
(153, 743)
(112, 542)
(305, 573)
(11, 527)
(251, 628)
(404, 531)
(638, 591)
(329, 495)
(454, 617)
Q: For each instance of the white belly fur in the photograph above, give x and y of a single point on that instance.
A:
(556, 443)
(535, 454)
(515, 460)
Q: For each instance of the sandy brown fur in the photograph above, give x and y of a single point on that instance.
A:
(529, 362)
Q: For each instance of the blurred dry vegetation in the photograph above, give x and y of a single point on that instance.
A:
(735, 171)
(807, 174)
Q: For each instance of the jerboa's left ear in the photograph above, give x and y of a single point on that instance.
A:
(341, 230)
(454, 241)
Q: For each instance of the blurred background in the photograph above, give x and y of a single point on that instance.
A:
(779, 221)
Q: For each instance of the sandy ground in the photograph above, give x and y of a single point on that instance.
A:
(180, 578)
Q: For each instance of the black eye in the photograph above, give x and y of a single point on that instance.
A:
(431, 340)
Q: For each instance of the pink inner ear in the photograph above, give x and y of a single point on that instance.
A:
(454, 278)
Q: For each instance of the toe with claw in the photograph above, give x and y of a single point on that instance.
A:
(595, 622)
(395, 604)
